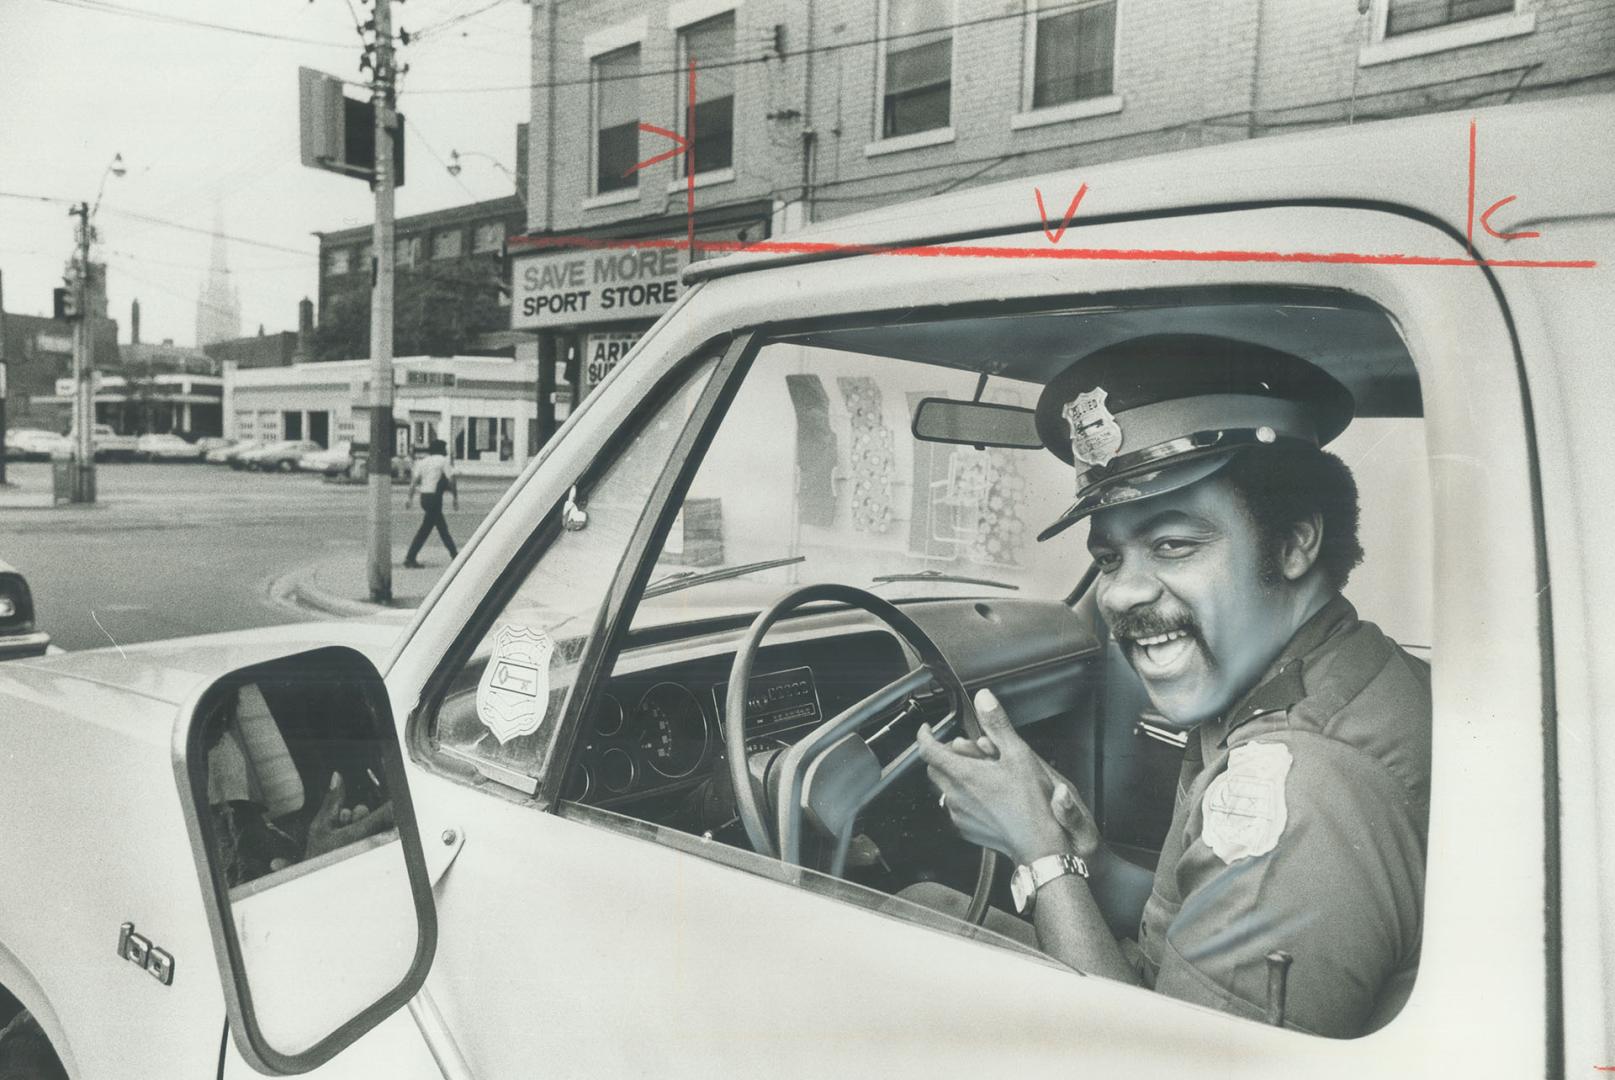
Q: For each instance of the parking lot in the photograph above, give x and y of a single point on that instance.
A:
(175, 549)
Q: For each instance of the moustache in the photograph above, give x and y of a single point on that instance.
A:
(1151, 622)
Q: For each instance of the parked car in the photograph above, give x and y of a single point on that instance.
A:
(35, 444)
(278, 457)
(109, 445)
(576, 718)
(168, 447)
(226, 454)
(332, 462)
(209, 443)
(19, 637)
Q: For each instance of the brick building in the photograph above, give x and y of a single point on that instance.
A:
(37, 352)
(805, 112)
(451, 292)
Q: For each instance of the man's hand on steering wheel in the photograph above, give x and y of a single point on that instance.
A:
(1000, 794)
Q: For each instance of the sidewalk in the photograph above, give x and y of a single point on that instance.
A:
(338, 584)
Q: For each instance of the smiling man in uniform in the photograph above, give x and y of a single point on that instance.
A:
(1289, 886)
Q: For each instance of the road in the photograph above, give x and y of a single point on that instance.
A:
(176, 549)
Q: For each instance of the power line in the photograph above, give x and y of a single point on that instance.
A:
(102, 7)
(785, 55)
(456, 19)
(161, 221)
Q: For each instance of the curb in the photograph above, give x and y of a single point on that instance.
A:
(297, 590)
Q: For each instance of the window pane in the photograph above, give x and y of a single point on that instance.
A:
(1406, 16)
(918, 88)
(336, 261)
(446, 245)
(505, 705)
(490, 237)
(1074, 55)
(915, 17)
(917, 110)
(616, 117)
(712, 43)
(714, 136)
(618, 151)
(920, 66)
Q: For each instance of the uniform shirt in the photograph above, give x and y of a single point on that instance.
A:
(1299, 825)
(429, 470)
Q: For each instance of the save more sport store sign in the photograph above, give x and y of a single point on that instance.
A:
(575, 288)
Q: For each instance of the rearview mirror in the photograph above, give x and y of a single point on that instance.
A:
(976, 423)
(308, 852)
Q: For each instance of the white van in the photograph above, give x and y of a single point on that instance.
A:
(568, 883)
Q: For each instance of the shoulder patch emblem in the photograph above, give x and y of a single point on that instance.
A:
(1243, 810)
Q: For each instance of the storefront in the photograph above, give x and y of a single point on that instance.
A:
(142, 404)
(587, 305)
(481, 407)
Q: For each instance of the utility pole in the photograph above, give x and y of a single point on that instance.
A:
(384, 97)
(83, 365)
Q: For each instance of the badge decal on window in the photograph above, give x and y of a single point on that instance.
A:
(1095, 435)
(515, 682)
(1243, 809)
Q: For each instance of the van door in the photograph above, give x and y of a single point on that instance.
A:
(595, 944)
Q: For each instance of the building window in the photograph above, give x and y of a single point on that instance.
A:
(1408, 16)
(616, 119)
(916, 67)
(336, 261)
(488, 238)
(1073, 53)
(448, 245)
(407, 251)
(711, 43)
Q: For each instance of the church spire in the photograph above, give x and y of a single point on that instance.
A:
(218, 305)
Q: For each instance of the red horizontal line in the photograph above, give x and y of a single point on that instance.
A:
(799, 247)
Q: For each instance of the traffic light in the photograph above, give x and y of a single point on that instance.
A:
(65, 302)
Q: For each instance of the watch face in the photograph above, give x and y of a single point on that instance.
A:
(1021, 888)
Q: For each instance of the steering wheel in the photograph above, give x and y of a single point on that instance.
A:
(832, 774)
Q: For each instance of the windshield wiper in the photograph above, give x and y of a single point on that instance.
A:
(688, 579)
(937, 575)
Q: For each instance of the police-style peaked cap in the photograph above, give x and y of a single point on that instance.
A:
(1155, 414)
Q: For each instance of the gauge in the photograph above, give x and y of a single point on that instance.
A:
(617, 770)
(673, 733)
(579, 780)
(608, 718)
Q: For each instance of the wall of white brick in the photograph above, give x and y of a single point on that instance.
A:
(1188, 72)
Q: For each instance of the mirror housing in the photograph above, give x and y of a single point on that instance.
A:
(976, 423)
(308, 853)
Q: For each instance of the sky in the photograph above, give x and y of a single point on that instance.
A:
(206, 121)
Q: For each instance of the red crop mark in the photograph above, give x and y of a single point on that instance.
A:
(1469, 221)
(1485, 219)
(973, 251)
(682, 147)
(1485, 222)
(1070, 212)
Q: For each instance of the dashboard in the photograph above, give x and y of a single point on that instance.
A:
(658, 730)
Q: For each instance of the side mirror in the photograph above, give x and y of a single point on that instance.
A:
(309, 855)
(976, 423)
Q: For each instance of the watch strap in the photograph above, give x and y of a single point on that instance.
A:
(1050, 867)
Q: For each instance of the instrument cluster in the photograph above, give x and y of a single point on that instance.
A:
(663, 735)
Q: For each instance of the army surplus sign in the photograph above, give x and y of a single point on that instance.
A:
(595, 286)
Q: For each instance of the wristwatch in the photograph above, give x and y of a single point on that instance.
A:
(1027, 880)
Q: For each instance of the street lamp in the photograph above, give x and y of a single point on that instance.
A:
(454, 167)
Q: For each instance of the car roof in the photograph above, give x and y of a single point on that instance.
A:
(1539, 150)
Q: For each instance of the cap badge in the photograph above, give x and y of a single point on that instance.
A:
(1095, 435)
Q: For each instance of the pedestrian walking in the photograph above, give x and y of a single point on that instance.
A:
(433, 476)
